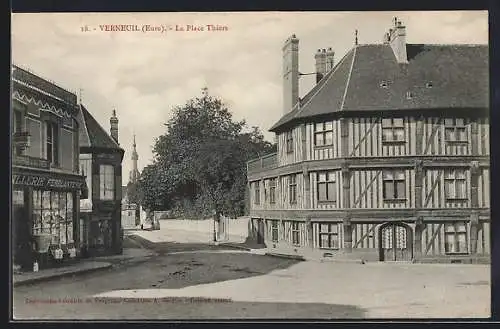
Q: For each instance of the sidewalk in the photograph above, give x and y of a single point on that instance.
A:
(129, 256)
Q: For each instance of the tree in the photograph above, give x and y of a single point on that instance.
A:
(200, 161)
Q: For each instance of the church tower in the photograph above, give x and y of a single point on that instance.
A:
(134, 173)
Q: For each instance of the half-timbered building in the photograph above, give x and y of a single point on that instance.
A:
(385, 158)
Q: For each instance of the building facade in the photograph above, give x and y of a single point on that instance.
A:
(386, 158)
(101, 162)
(46, 183)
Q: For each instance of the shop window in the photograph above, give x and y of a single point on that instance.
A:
(272, 190)
(289, 141)
(455, 130)
(393, 130)
(274, 230)
(455, 238)
(257, 192)
(53, 215)
(455, 184)
(52, 142)
(323, 134)
(295, 233)
(107, 182)
(394, 185)
(329, 236)
(326, 187)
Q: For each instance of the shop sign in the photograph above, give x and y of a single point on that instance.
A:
(40, 181)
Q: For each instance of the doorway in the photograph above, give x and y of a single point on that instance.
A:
(260, 231)
(395, 242)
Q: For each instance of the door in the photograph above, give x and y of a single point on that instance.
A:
(260, 231)
(395, 242)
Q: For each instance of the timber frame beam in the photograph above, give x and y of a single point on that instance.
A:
(372, 162)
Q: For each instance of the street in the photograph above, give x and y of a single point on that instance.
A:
(199, 281)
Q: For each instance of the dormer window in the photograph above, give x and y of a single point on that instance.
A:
(428, 85)
(384, 84)
(409, 95)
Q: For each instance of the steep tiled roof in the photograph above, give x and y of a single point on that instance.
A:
(91, 132)
(369, 78)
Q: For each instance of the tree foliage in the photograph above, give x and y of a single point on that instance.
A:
(199, 163)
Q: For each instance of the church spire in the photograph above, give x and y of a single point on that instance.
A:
(134, 173)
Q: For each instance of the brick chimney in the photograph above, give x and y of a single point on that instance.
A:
(114, 127)
(330, 59)
(320, 58)
(397, 40)
(290, 73)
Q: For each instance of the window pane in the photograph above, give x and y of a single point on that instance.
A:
(400, 192)
(449, 189)
(324, 240)
(292, 179)
(322, 177)
(462, 134)
(449, 243)
(319, 139)
(331, 192)
(334, 228)
(386, 123)
(399, 175)
(329, 138)
(318, 127)
(388, 190)
(387, 135)
(388, 175)
(329, 125)
(398, 122)
(322, 192)
(460, 189)
(323, 228)
(399, 134)
(449, 174)
(460, 227)
(448, 122)
(459, 122)
(462, 242)
(460, 174)
(449, 134)
(448, 227)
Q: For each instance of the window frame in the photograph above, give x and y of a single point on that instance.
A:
(393, 128)
(272, 190)
(54, 144)
(329, 233)
(456, 241)
(396, 174)
(329, 179)
(103, 188)
(456, 178)
(456, 129)
(295, 230)
(323, 132)
(256, 188)
(292, 187)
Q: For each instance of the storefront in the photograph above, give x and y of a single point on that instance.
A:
(45, 209)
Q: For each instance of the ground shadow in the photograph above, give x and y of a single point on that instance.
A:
(191, 310)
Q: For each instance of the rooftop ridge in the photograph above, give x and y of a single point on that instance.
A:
(30, 71)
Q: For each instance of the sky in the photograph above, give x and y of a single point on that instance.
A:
(144, 74)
